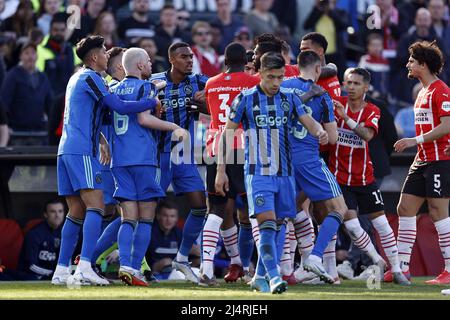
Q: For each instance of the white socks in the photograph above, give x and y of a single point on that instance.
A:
(407, 230)
(329, 258)
(209, 243)
(361, 239)
(304, 232)
(230, 240)
(388, 241)
(443, 229)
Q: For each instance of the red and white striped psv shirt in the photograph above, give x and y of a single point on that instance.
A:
(349, 157)
(432, 103)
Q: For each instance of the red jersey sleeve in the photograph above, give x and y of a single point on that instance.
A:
(373, 117)
(442, 101)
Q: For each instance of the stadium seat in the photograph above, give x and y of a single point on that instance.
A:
(11, 240)
(30, 225)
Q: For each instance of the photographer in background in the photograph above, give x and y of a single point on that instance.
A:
(332, 22)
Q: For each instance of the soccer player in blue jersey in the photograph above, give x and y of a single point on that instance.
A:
(134, 166)
(312, 175)
(79, 171)
(265, 112)
(178, 99)
(109, 236)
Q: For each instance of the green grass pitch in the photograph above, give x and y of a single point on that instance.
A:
(179, 290)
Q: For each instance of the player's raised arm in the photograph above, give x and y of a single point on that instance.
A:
(364, 133)
(328, 120)
(129, 107)
(313, 127)
(439, 131)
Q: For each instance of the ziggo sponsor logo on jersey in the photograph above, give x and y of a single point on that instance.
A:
(192, 149)
(174, 103)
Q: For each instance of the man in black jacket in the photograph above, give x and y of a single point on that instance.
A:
(324, 18)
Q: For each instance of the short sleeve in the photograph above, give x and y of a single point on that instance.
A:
(96, 87)
(201, 81)
(237, 109)
(297, 103)
(328, 109)
(443, 103)
(372, 120)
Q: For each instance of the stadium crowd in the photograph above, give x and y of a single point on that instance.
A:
(38, 57)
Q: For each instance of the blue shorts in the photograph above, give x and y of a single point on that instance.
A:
(184, 177)
(271, 193)
(77, 172)
(316, 181)
(108, 187)
(137, 183)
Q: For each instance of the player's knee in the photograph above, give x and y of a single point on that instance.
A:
(402, 209)
(243, 217)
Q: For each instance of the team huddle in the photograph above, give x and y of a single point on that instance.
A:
(124, 143)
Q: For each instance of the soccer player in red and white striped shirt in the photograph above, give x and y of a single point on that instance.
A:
(349, 160)
(220, 92)
(429, 175)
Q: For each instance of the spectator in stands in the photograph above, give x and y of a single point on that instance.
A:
(286, 13)
(206, 59)
(18, 25)
(216, 39)
(376, 64)
(183, 21)
(166, 239)
(40, 250)
(36, 36)
(138, 25)
(55, 56)
(250, 67)
(106, 27)
(7, 9)
(438, 21)
(88, 19)
(404, 119)
(159, 64)
(244, 37)
(440, 25)
(330, 21)
(168, 32)
(47, 10)
(227, 23)
(26, 93)
(423, 31)
(290, 49)
(407, 11)
(260, 20)
(4, 131)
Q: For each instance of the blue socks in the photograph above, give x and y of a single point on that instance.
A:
(142, 237)
(245, 243)
(107, 239)
(91, 232)
(280, 237)
(192, 228)
(125, 241)
(267, 247)
(69, 238)
(327, 230)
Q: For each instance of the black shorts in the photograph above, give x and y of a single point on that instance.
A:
(364, 199)
(235, 173)
(428, 179)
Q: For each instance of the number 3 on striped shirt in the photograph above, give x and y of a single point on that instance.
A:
(120, 123)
